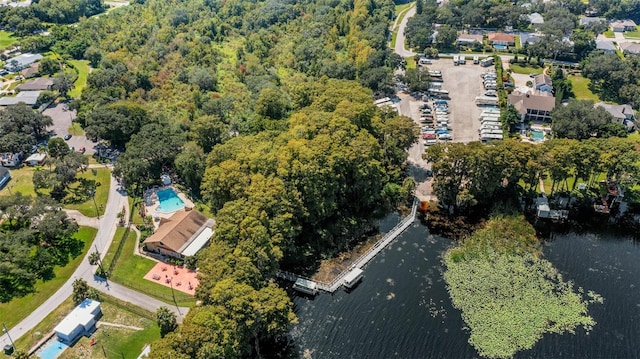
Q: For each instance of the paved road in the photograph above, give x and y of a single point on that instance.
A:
(106, 231)
(400, 39)
(62, 119)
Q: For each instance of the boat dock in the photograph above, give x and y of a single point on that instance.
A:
(355, 269)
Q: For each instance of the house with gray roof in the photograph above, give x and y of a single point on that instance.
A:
(623, 25)
(605, 45)
(28, 97)
(630, 48)
(20, 62)
(40, 83)
(543, 83)
(623, 114)
(586, 21)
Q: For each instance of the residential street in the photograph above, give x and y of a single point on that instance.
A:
(106, 230)
(400, 50)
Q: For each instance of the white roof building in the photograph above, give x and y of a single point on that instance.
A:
(22, 61)
(81, 321)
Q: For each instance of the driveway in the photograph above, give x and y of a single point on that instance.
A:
(62, 119)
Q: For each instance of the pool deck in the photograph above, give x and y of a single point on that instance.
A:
(152, 210)
(167, 275)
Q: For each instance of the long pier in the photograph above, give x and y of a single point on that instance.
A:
(364, 259)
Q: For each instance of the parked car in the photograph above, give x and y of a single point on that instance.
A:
(67, 137)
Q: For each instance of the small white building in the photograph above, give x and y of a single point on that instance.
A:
(81, 321)
(36, 159)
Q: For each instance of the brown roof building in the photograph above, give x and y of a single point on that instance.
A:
(181, 235)
(500, 38)
(533, 106)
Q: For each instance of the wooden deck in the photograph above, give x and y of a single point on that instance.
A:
(364, 259)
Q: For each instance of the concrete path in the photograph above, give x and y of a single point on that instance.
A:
(83, 220)
(106, 230)
(400, 38)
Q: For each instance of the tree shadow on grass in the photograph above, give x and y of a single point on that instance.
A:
(82, 192)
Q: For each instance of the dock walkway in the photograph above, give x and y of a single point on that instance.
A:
(364, 259)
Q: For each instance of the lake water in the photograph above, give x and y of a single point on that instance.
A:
(402, 309)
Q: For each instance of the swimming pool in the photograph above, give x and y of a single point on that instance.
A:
(537, 135)
(169, 201)
(52, 350)
(500, 47)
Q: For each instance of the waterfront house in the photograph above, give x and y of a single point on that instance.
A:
(532, 105)
(181, 235)
(5, 176)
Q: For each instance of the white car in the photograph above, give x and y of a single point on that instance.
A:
(430, 142)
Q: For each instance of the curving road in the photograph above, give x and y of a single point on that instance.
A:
(106, 230)
(400, 38)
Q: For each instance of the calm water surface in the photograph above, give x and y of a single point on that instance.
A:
(402, 309)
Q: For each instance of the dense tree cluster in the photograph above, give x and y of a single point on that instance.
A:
(26, 20)
(476, 174)
(613, 78)
(35, 236)
(579, 120)
(21, 128)
(63, 166)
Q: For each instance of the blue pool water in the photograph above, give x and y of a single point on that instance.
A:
(537, 135)
(500, 47)
(52, 350)
(169, 201)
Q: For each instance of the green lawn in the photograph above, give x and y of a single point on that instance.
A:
(411, 62)
(20, 182)
(19, 308)
(581, 88)
(403, 7)
(394, 37)
(78, 192)
(82, 69)
(130, 270)
(633, 34)
(609, 34)
(518, 45)
(525, 70)
(6, 39)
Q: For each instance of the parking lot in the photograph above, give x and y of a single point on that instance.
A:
(464, 84)
(62, 119)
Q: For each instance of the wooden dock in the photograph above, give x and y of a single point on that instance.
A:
(364, 259)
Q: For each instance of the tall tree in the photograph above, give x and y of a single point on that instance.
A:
(166, 320)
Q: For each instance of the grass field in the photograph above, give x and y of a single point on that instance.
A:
(82, 69)
(19, 308)
(20, 182)
(75, 129)
(525, 70)
(402, 7)
(130, 270)
(609, 34)
(581, 88)
(411, 62)
(87, 207)
(7, 39)
(633, 34)
(117, 342)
